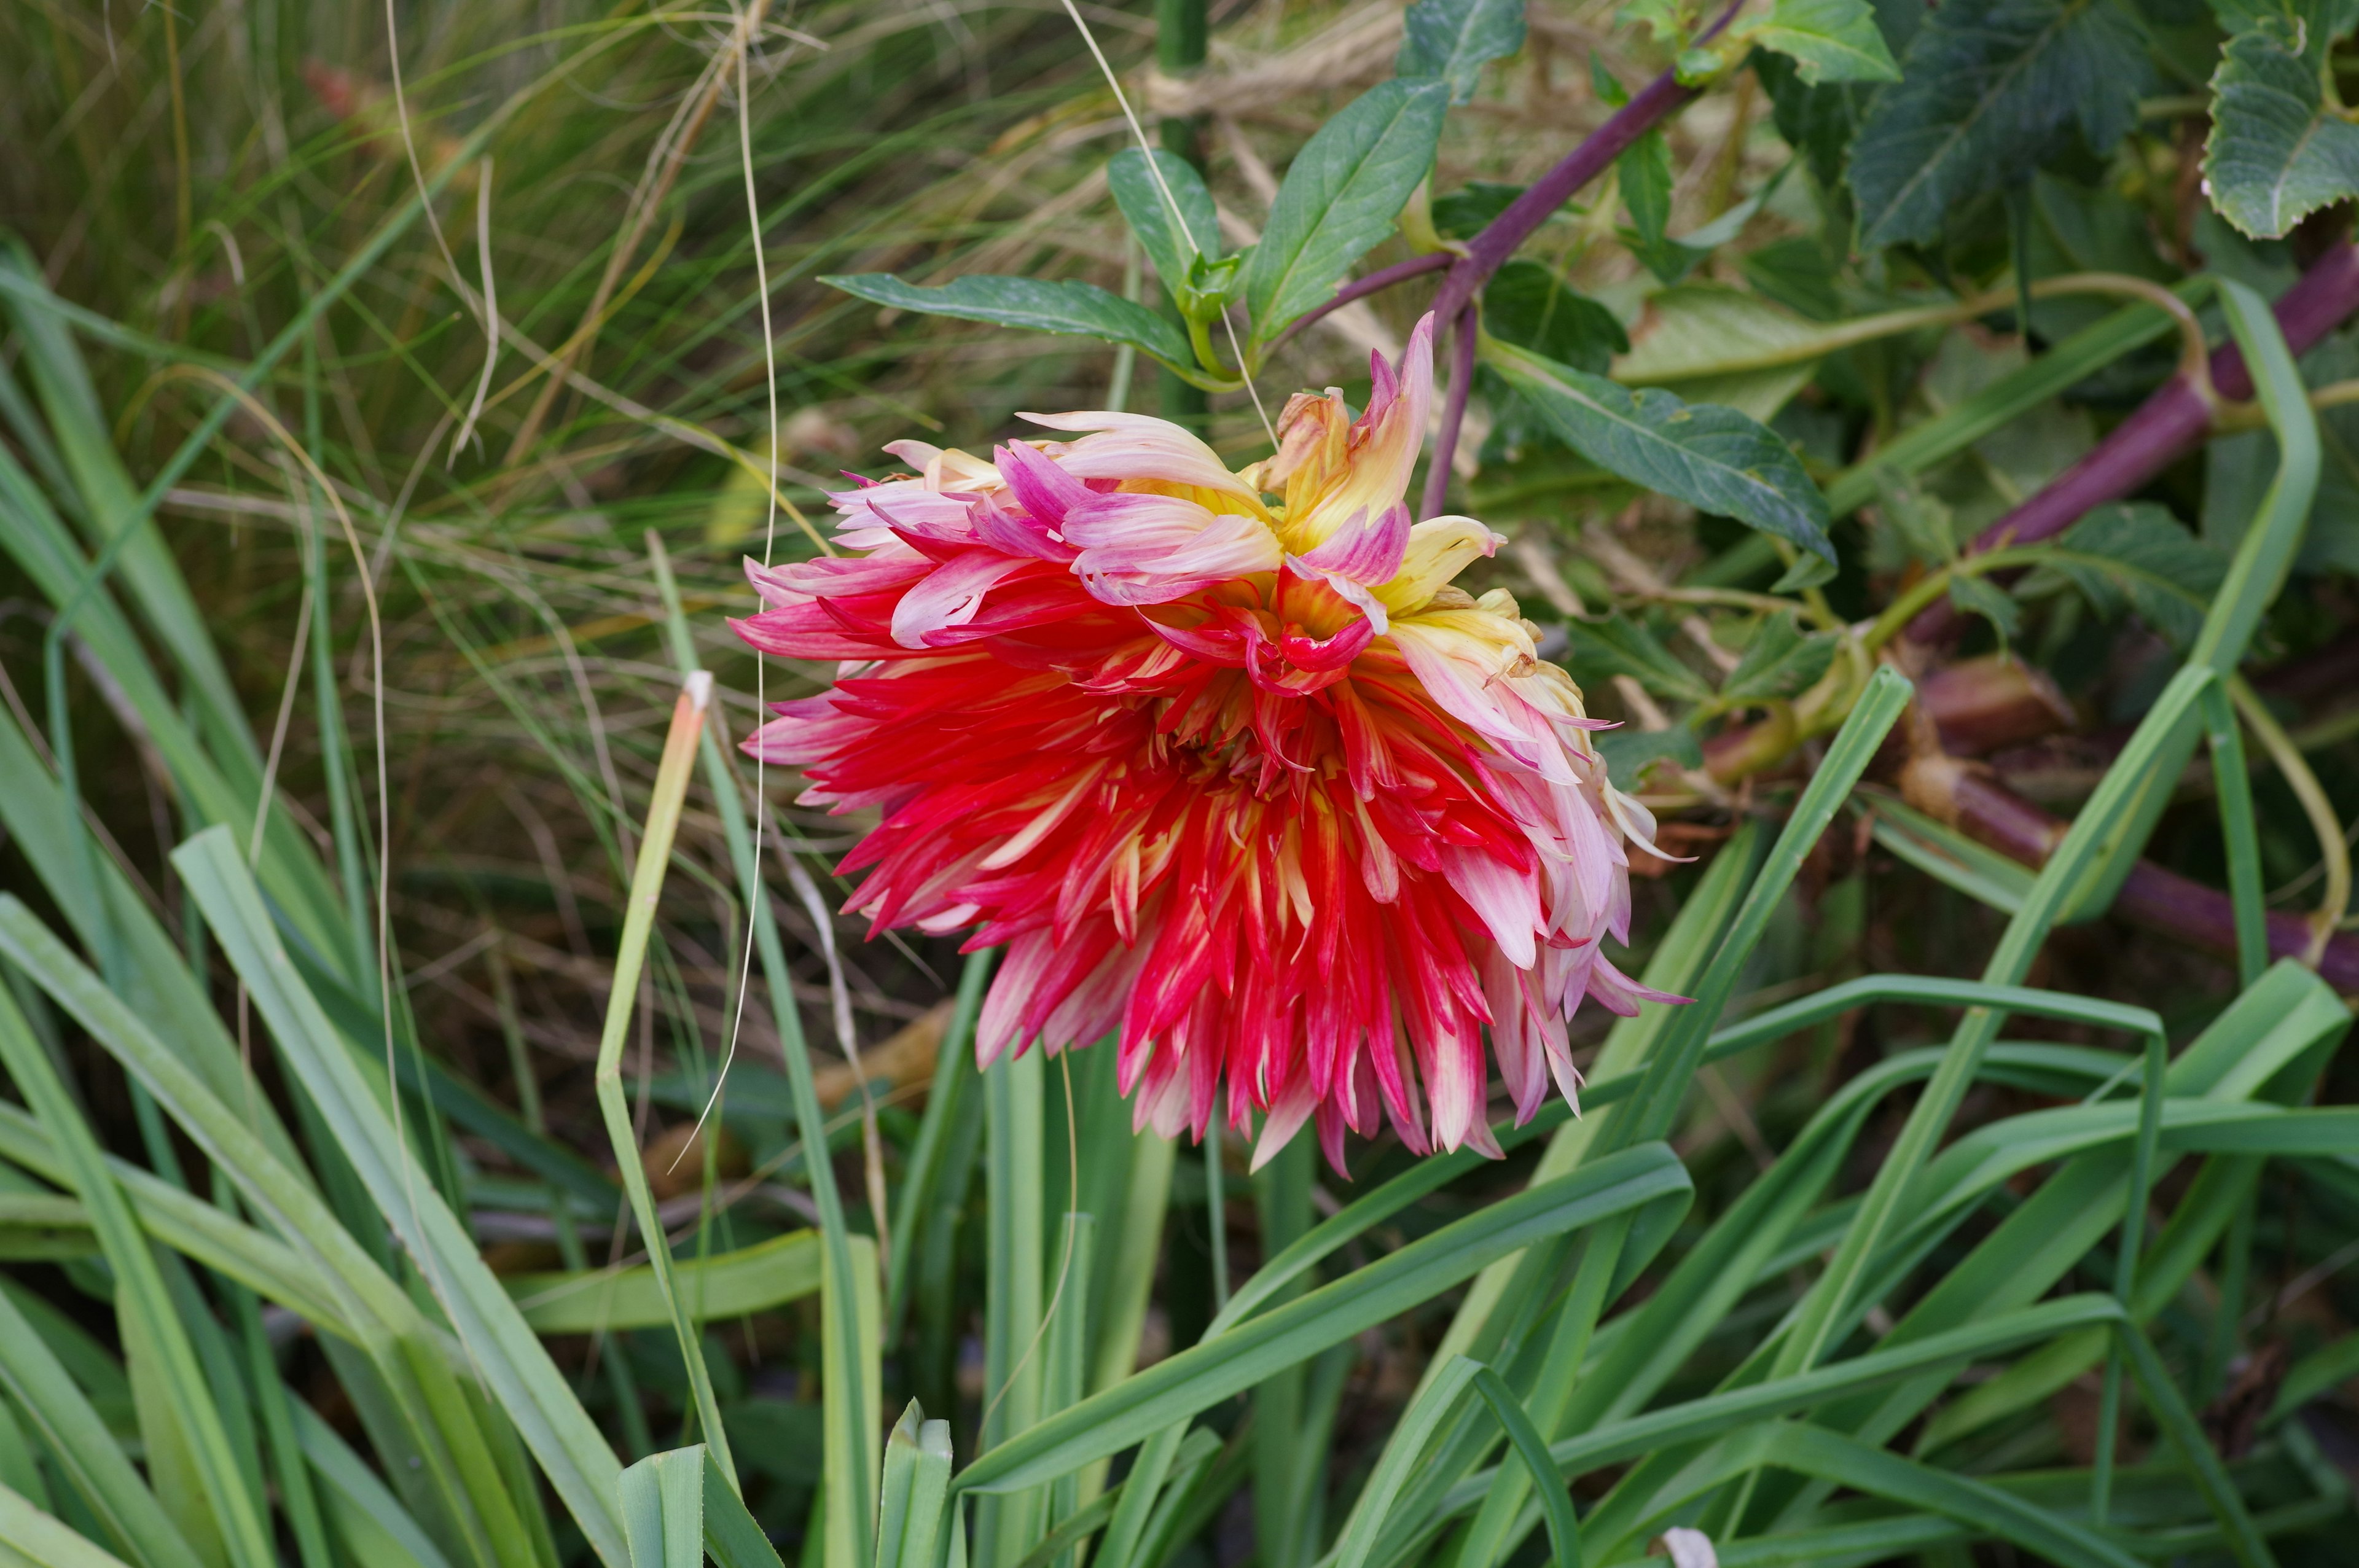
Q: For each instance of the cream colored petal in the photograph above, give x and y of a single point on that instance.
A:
(1439, 549)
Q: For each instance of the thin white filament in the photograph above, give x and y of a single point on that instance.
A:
(757, 890)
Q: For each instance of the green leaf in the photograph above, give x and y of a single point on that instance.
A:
(912, 1510)
(1781, 661)
(1617, 645)
(2136, 556)
(1041, 305)
(1526, 304)
(1979, 596)
(1463, 213)
(1990, 90)
(1817, 122)
(677, 1507)
(1711, 344)
(1713, 458)
(1829, 40)
(2277, 151)
(514, 1365)
(1921, 518)
(1404, 1451)
(180, 1418)
(1644, 174)
(1452, 40)
(1173, 251)
(663, 1510)
(1807, 571)
(1556, 1505)
(1340, 195)
(1630, 754)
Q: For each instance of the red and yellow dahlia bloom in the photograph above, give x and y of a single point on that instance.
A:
(1247, 779)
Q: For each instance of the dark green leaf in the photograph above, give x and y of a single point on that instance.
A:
(1829, 40)
(1452, 40)
(1080, 309)
(1713, 458)
(1817, 122)
(1619, 647)
(1979, 596)
(1781, 661)
(1464, 213)
(2278, 151)
(2135, 555)
(1340, 195)
(1605, 83)
(1529, 306)
(1630, 754)
(1989, 90)
(1645, 172)
(1149, 216)
(1807, 571)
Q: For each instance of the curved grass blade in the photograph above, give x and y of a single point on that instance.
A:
(501, 1348)
(149, 1318)
(1196, 1379)
(728, 1284)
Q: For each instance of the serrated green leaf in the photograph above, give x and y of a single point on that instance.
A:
(2277, 151)
(2136, 556)
(1781, 661)
(1528, 305)
(1077, 309)
(1340, 195)
(1149, 216)
(1451, 40)
(1829, 40)
(1989, 90)
(1979, 596)
(1619, 647)
(1630, 754)
(1714, 458)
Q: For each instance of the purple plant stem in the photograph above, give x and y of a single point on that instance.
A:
(1488, 251)
(2159, 900)
(1500, 239)
(1503, 235)
(2165, 428)
(1375, 282)
(1453, 415)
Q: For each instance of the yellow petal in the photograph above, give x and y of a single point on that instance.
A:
(1439, 549)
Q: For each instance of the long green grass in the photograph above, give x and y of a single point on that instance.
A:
(378, 913)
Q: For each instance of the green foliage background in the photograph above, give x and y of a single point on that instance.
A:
(1960, 1218)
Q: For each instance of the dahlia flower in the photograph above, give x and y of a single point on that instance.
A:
(1247, 779)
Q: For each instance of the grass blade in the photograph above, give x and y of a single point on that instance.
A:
(1194, 1380)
